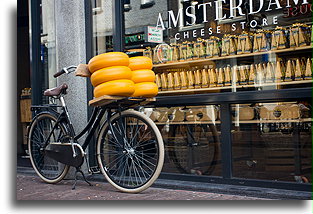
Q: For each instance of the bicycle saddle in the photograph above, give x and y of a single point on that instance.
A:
(56, 91)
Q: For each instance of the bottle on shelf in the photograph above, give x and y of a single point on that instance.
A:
(205, 82)
(177, 82)
(298, 70)
(164, 81)
(221, 77)
(308, 70)
(183, 79)
(191, 79)
(158, 81)
(279, 71)
(289, 69)
(212, 77)
(235, 75)
(170, 79)
(197, 75)
(269, 77)
(227, 76)
(252, 75)
(242, 72)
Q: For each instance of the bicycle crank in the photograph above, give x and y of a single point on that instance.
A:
(63, 153)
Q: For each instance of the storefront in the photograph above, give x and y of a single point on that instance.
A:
(235, 83)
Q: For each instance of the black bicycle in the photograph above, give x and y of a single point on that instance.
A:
(129, 146)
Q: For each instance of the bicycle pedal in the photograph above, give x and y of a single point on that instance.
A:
(94, 170)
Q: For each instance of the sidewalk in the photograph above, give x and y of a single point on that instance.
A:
(31, 187)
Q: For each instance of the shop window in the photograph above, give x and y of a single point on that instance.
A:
(191, 138)
(255, 47)
(48, 46)
(102, 26)
(272, 141)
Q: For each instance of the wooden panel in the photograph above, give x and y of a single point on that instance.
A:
(26, 114)
(104, 100)
(129, 101)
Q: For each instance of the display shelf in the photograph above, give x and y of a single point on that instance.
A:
(242, 121)
(275, 121)
(208, 61)
(187, 122)
(214, 89)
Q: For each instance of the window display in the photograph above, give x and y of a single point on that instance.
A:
(265, 44)
(229, 48)
(272, 141)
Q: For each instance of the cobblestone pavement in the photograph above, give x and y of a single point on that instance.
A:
(29, 187)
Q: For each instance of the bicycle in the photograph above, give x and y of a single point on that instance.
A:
(129, 146)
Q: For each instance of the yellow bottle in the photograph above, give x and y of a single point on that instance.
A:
(205, 82)
(177, 84)
(183, 79)
(289, 68)
(298, 71)
(197, 75)
(308, 70)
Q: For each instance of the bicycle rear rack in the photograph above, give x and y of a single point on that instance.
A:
(114, 102)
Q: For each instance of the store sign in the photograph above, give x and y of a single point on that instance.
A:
(155, 34)
(235, 10)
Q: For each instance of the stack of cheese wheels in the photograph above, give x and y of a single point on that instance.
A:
(110, 75)
(143, 77)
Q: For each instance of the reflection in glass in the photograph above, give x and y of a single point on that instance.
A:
(272, 141)
(191, 138)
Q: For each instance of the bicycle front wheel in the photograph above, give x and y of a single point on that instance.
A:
(130, 151)
(43, 131)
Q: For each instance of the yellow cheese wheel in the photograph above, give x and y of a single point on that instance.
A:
(107, 60)
(140, 62)
(145, 89)
(110, 73)
(124, 88)
(143, 76)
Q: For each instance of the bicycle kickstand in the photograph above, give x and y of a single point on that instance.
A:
(78, 170)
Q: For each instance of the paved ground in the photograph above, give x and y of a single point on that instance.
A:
(29, 187)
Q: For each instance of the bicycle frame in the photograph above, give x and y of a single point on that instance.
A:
(92, 124)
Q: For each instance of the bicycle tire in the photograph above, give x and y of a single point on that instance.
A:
(47, 169)
(185, 156)
(133, 164)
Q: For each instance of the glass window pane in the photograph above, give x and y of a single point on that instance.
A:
(102, 26)
(223, 46)
(48, 45)
(191, 137)
(272, 141)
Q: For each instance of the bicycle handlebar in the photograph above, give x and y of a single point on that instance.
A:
(59, 73)
(67, 70)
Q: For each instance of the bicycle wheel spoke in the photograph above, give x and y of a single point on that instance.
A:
(142, 169)
(114, 135)
(145, 136)
(142, 160)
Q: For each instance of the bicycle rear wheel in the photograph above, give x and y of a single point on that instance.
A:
(130, 151)
(48, 169)
(193, 148)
